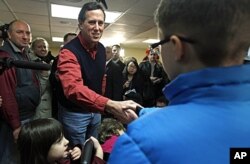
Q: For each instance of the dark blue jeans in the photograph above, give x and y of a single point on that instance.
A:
(78, 126)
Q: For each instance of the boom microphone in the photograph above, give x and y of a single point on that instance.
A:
(10, 62)
(87, 152)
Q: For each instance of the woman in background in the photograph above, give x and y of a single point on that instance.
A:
(40, 48)
(133, 82)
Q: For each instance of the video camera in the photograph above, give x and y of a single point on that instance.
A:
(3, 31)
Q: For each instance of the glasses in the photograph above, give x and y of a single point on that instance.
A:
(167, 39)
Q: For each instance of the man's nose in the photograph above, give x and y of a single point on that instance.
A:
(26, 36)
(97, 26)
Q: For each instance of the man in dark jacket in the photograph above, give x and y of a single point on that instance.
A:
(113, 78)
(19, 90)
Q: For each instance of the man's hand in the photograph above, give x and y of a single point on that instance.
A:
(123, 110)
(16, 133)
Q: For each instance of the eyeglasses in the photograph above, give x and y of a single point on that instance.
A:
(167, 39)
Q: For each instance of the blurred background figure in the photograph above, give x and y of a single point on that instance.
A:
(40, 49)
(68, 37)
(52, 78)
(152, 68)
(133, 82)
(110, 130)
(161, 102)
(116, 51)
(114, 80)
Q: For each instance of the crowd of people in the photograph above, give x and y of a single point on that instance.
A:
(190, 108)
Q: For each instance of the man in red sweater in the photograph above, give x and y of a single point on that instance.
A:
(81, 73)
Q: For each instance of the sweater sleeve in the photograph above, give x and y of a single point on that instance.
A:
(69, 73)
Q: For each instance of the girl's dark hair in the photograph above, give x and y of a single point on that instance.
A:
(108, 128)
(35, 139)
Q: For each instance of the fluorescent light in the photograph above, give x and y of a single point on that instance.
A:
(62, 11)
(112, 40)
(151, 41)
(112, 16)
(70, 12)
(57, 39)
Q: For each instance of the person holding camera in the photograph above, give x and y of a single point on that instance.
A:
(19, 89)
(3, 33)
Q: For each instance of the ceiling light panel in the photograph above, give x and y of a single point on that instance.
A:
(70, 12)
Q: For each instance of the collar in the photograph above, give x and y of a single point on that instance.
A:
(152, 63)
(107, 62)
(85, 44)
(213, 83)
(15, 48)
(116, 61)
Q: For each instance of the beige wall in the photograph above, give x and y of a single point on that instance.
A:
(138, 53)
(54, 51)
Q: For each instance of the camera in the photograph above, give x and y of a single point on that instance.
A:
(3, 31)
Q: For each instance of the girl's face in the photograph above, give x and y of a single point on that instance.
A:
(58, 150)
(132, 68)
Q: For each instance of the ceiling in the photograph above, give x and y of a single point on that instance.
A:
(135, 25)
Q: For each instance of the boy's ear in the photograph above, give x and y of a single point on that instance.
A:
(178, 47)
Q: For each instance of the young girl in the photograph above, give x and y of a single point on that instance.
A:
(42, 142)
(110, 130)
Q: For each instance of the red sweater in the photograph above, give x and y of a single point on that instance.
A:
(69, 73)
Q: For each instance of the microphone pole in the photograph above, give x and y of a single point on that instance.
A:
(10, 62)
(87, 152)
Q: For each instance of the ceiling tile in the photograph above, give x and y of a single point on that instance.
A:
(133, 19)
(135, 25)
